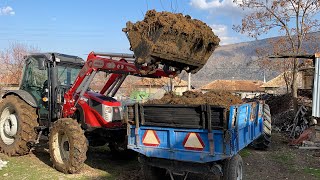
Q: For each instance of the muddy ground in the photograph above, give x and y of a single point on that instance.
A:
(279, 162)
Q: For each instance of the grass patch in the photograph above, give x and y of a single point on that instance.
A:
(313, 171)
(286, 158)
(27, 167)
(99, 165)
(245, 153)
(18, 168)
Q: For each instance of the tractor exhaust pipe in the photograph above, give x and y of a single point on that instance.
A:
(120, 55)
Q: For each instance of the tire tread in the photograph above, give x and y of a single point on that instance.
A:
(78, 148)
(27, 118)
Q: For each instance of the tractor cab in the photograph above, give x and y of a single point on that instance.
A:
(46, 77)
(54, 100)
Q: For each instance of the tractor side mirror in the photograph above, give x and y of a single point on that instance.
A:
(42, 64)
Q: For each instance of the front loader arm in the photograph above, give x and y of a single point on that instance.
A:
(118, 69)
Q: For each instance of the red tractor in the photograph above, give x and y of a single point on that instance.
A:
(54, 100)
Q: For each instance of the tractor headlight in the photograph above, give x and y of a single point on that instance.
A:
(107, 113)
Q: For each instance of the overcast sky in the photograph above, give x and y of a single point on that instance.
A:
(80, 26)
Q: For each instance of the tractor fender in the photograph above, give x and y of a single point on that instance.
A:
(24, 95)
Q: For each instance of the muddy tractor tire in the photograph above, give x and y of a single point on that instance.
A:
(17, 126)
(263, 142)
(233, 168)
(67, 146)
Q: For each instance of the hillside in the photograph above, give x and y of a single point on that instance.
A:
(235, 61)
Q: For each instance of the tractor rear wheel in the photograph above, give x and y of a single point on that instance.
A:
(263, 142)
(233, 168)
(67, 145)
(17, 122)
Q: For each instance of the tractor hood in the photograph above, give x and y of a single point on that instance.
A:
(102, 99)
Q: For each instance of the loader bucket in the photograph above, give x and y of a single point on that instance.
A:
(172, 40)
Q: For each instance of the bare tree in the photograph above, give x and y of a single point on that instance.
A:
(276, 46)
(12, 59)
(130, 86)
(295, 19)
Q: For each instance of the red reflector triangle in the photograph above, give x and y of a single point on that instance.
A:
(193, 142)
(150, 138)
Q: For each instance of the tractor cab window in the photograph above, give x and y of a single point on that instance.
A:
(34, 77)
(67, 74)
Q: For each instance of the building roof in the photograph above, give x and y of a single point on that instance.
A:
(132, 81)
(234, 86)
(279, 81)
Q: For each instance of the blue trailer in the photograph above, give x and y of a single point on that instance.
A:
(181, 139)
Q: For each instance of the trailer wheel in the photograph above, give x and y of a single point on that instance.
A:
(263, 142)
(67, 145)
(154, 173)
(233, 168)
(17, 123)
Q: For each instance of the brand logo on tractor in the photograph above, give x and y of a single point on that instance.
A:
(111, 65)
(98, 63)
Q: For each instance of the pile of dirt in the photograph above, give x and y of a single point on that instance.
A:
(223, 99)
(305, 93)
(281, 108)
(171, 39)
(280, 103)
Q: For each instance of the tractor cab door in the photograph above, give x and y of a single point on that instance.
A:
(34, 81)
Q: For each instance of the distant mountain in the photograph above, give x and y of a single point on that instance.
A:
(235, 61)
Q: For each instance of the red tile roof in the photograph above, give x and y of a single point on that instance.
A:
(234, 86)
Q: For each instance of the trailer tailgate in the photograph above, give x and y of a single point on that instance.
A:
(179, 144)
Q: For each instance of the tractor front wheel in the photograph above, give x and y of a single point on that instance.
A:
(67, 145)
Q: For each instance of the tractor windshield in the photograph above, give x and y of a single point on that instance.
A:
(67, 74)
